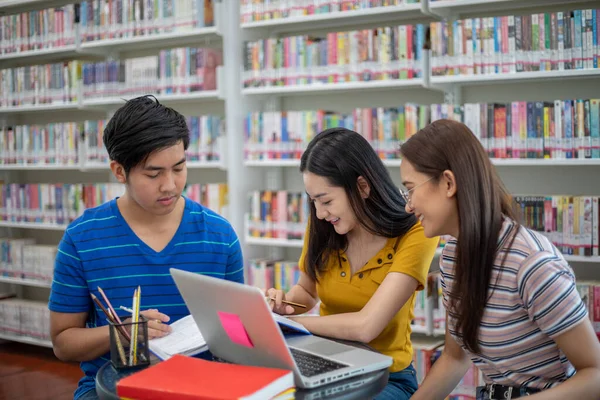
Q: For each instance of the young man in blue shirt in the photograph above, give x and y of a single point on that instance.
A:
(133, 240)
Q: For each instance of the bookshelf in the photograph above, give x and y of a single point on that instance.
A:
(25, 282)
(17, 6)
(378, 15)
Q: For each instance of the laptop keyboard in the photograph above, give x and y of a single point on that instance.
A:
(311, 365)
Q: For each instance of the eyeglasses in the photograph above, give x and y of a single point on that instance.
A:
(406, 194)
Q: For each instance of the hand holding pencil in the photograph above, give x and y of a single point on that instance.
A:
(279, 304)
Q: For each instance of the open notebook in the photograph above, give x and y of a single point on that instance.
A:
(185, 337)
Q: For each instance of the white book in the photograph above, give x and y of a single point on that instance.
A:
(185, 338)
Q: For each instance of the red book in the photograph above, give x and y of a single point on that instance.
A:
(187, 378)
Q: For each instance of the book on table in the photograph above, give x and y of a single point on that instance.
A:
(189, 378)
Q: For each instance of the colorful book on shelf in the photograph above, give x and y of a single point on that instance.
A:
(188, 378)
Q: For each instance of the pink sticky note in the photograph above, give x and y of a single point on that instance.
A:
(233, 326)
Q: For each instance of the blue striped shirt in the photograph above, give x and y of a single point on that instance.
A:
(100, 249)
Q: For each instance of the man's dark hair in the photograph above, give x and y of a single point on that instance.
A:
(141, 127)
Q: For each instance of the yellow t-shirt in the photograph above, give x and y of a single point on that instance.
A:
(341, 292)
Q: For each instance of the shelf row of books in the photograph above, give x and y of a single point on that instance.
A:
(69, 143)
(177, 70)
(130, 18)
(53, 203)
(55, 83)
(23, 259)
(38, 29)
(387, 53)
(264, 10)
(61, 203)
(516, 43)
(277, 214)
(570, 222)
(93, 20)
(214, 196)
(265, 273)
(25, 318)
(285, 135)
(530, 130)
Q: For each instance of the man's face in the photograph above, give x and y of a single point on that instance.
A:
(157, 184)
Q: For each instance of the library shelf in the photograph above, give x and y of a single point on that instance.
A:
(19, 6)
(34, 167)
(32, 108)
(25, 339)
(337, 19)
(33, 225)
(309, 89)
(95, 166)
(582, 259)
(506, 162)
(116, 101)
(39, 56)
(296, 163)
(163, 40)
(422, 330)
(459, 7)
(439, 82)
(25, 282)
(275, 242)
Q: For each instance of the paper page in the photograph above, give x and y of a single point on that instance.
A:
(184, 336)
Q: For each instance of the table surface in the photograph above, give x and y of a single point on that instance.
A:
(360, 387)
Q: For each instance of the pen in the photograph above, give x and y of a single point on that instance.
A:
(291, 303)
(110, 317)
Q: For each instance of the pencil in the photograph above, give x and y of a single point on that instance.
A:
(110, 307)
(109, 316)
(291, 303)
(120, 348)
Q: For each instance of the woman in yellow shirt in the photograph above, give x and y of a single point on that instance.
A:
(364, 256)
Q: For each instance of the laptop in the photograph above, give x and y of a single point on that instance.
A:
(238, 326)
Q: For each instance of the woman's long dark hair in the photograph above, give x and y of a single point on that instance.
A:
(482, 200)
(342, 156)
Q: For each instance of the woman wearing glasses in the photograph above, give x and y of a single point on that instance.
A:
(511, 301)
(364, 256)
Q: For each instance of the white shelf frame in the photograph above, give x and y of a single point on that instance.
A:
(314, 88)
(460, 7)
(507, 162)
(25, 282)
(446, 83)
(33, 225)
(19, 6)
(95, 167)
(338, 19)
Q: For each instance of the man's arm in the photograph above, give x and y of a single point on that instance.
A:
(235, 260)
(72, 341)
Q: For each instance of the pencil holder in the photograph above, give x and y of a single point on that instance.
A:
(129, 344)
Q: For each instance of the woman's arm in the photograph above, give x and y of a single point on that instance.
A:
(304, 292)
(366, 324)
(407, 273)
(582, 348)
(446, 372)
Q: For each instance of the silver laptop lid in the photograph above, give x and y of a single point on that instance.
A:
(235, 320)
